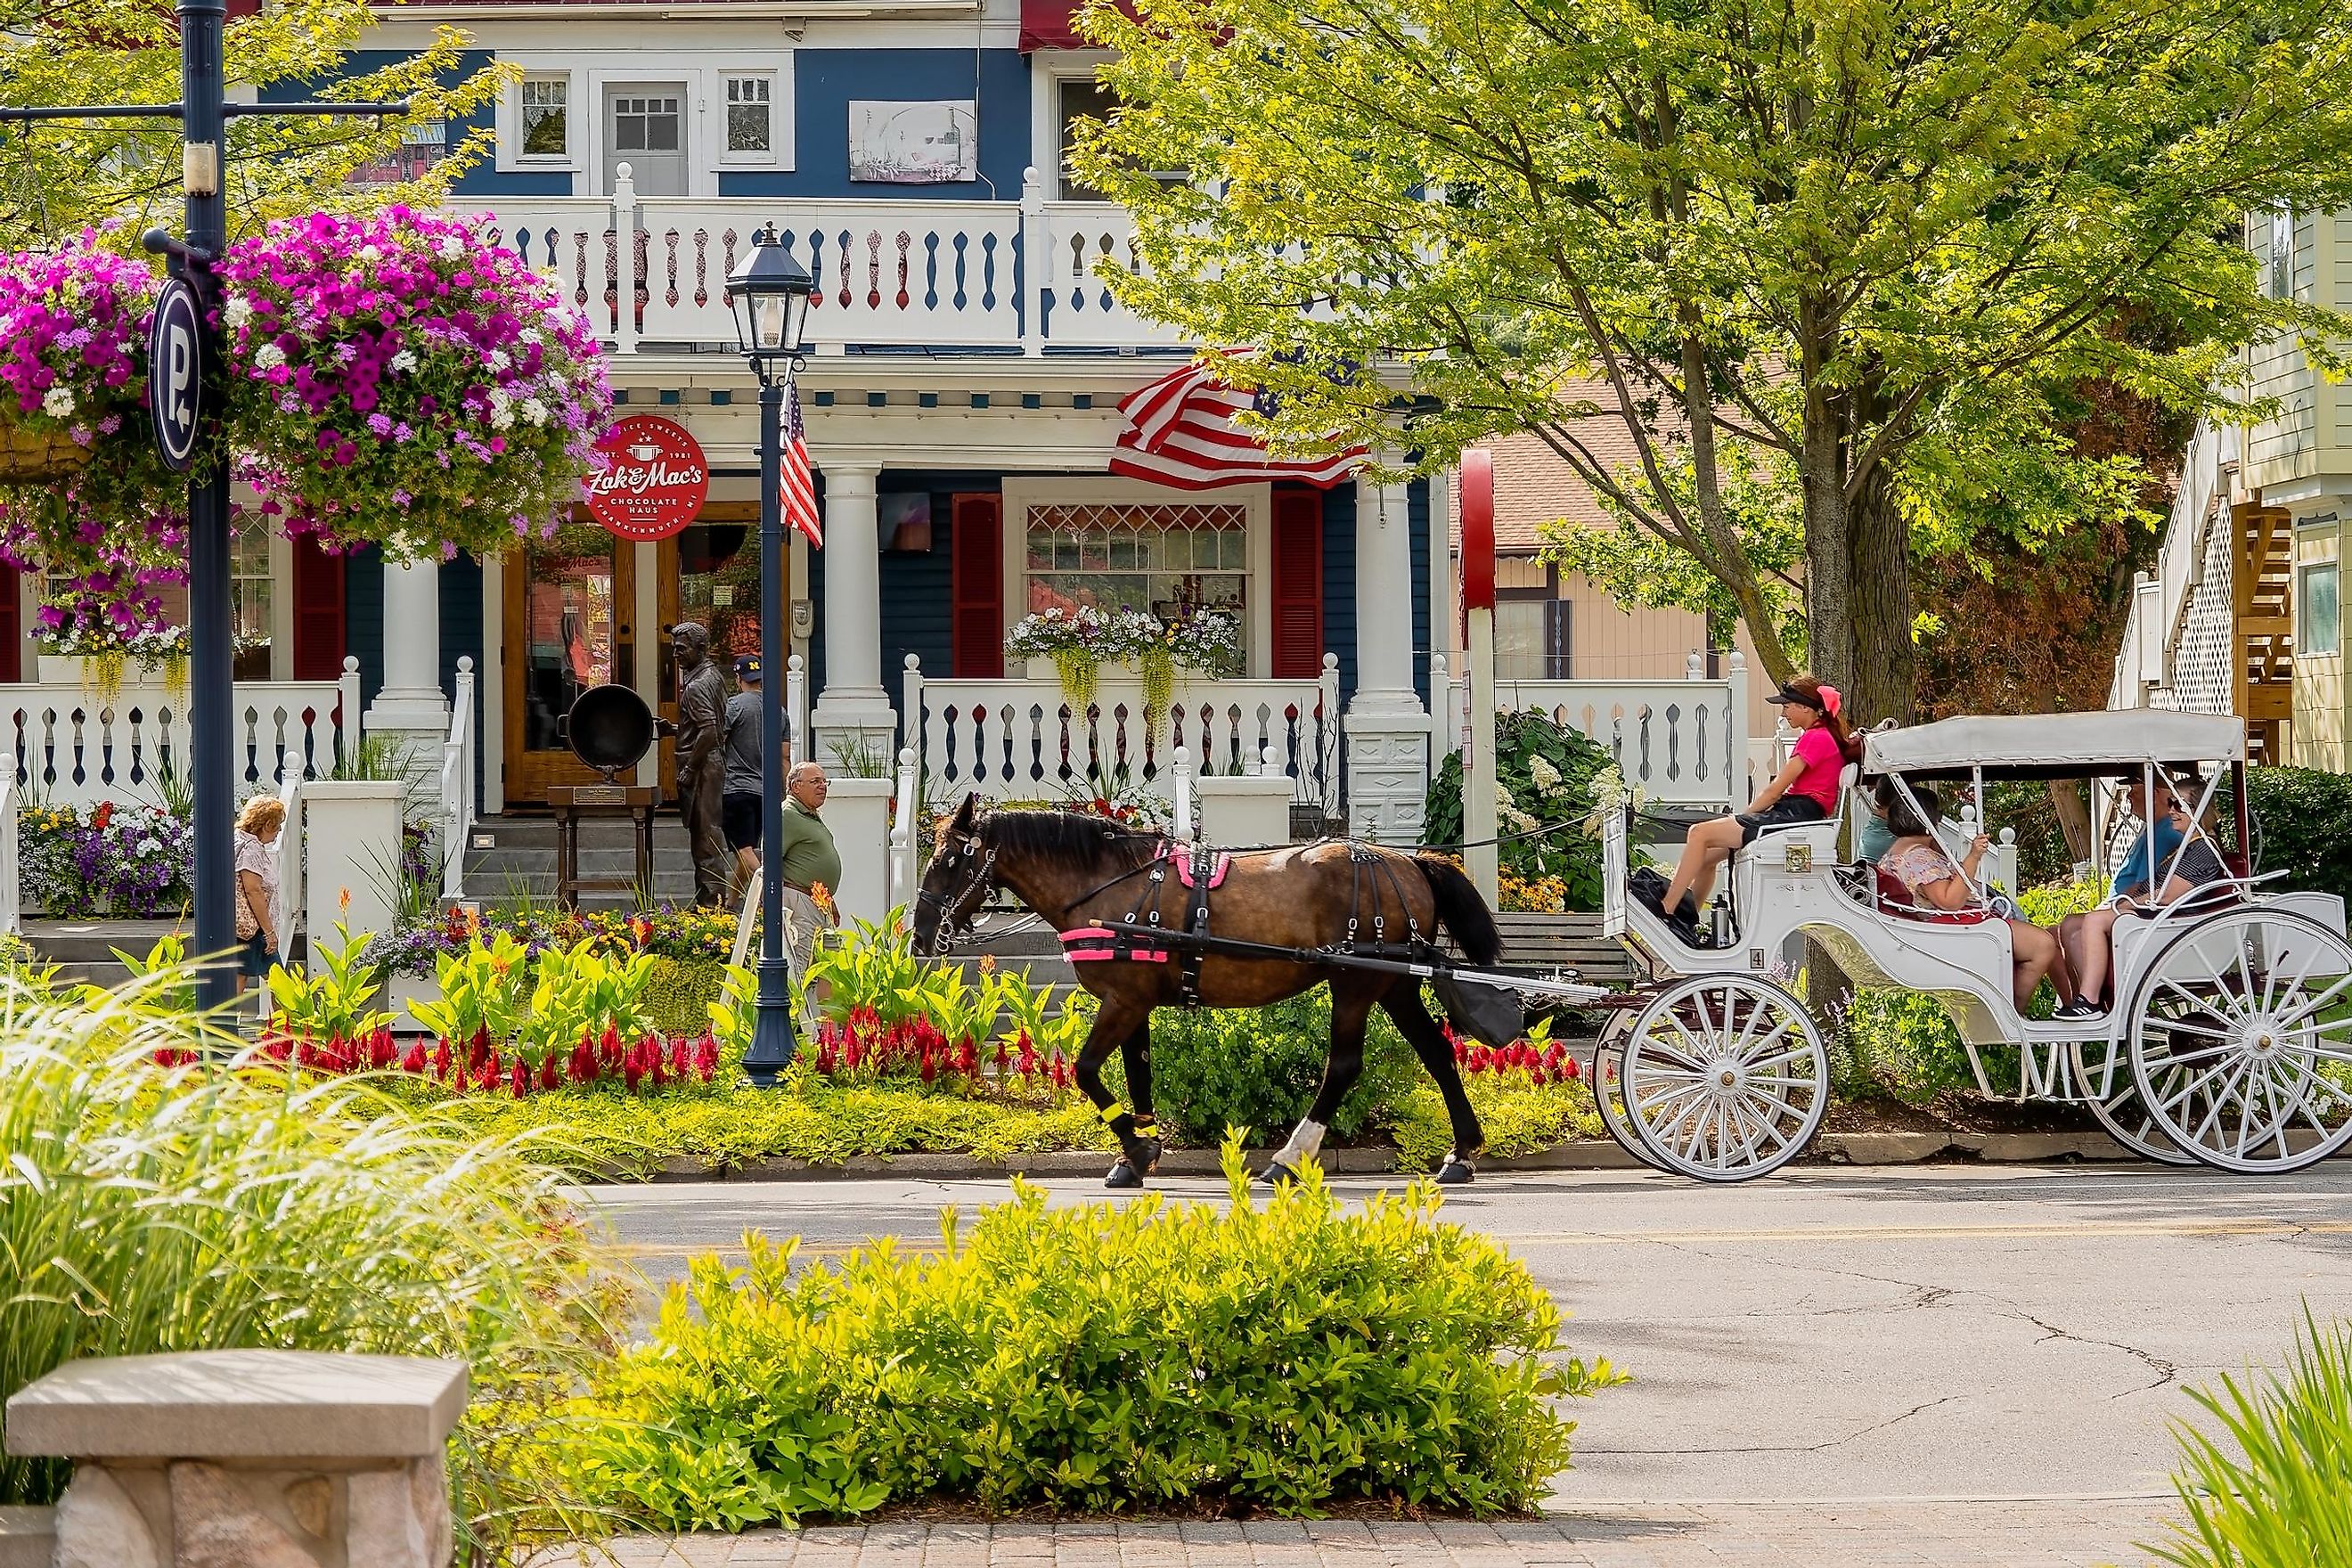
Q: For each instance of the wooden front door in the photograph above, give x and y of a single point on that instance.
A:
(570, 612)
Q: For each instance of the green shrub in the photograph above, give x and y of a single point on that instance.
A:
(679, 993)
(1097, 1356)
(1903, 1044)
(1517, 1115)
(2275, 1487)
(1547, 771)
(1259, 1068)
(144, 1208)
(2302, 826)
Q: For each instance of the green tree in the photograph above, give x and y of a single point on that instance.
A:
(1874, 239)
(65, 175)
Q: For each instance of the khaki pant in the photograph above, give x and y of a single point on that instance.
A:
(802, 921)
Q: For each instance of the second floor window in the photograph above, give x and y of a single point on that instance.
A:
(749, 114)
(545, 102)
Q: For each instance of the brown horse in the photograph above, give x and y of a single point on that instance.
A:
(1080, 872)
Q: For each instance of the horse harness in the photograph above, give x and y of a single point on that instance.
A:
(1140, 936)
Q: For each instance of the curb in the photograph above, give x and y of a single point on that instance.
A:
(1594, 1154)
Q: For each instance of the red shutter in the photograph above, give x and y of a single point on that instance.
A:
(1298, 584)
(976, 588)
(318, 612)
(12, 625)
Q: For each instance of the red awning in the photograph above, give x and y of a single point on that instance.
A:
(1052, 24)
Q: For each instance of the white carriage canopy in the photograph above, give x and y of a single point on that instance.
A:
(2057, 745)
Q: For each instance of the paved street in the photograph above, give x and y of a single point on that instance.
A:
(1981, 1335)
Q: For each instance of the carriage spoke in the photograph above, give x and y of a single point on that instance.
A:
(2306, 1008)
(2233, 1075)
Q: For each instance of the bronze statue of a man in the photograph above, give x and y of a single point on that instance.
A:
(701, 767)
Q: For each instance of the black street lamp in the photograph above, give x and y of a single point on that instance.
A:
(203, 449)
(769, 294)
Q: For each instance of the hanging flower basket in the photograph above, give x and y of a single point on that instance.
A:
(84, 497)
(399, 380)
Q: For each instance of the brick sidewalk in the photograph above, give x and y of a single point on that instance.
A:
(2040, 1533)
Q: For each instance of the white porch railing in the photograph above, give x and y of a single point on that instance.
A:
(1019, 740)
(1680, 742)
(942, 274)
(74, 747)
(459, 798)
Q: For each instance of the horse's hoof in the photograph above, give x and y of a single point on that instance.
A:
(1123, 1175)
(1455, 1173)
(1279, 1175)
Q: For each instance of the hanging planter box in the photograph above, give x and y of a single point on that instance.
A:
(37, 456)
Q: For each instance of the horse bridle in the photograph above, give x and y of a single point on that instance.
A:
(958, 911)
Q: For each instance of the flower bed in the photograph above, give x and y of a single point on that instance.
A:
(133, 862)
(1097, 1357)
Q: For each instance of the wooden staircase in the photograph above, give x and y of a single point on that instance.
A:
(2262, 655)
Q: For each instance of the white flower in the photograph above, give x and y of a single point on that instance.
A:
(497, 360)
(501, 410)
(268, 356)
(236, 312)
(58, 402)
(150, 845)
(534, 410)
(528, 336)
(370, 253)
(1501, 794)
(1547, 777)
(404, 361)
(450, 247)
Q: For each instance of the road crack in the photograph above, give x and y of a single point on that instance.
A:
(1820, 1447)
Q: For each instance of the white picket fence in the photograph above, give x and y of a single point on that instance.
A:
(1679, 742)
(76, 747)
(1021, 740)
(460, 798)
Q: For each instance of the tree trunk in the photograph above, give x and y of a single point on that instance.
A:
(1829, 560)
(1884, 660)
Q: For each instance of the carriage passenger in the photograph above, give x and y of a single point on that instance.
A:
(2151, 879)
(1805, 790)
(1918, 859)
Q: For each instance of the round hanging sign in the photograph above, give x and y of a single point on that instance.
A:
(655, 478)
(175, 374)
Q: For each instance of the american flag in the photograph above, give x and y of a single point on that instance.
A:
(800, 488)
(1180, 432)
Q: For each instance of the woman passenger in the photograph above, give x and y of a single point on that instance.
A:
(1805, 790)
(1918, 860)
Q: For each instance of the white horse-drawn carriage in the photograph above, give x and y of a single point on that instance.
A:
(2230, 1041)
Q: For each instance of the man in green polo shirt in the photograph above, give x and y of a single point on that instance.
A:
(808, 860)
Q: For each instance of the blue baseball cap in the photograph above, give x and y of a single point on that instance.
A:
(747, 668)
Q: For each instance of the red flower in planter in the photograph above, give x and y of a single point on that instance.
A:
(550, 1071)
(413, 1062)
(520, 1077)
(583, 1061)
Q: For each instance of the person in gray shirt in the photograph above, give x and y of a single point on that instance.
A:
(739, 797)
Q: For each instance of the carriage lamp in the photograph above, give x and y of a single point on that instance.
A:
(770, 295)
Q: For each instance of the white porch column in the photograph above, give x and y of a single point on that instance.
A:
(1387, 728)
(412, 708)
(852, 709)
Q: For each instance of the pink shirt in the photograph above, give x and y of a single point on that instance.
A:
(1818, 749)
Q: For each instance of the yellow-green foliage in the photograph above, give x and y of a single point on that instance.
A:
(1518, 1116)
(1290, 1355)
(803, 1118)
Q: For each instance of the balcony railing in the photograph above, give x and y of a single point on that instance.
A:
(1003, 276)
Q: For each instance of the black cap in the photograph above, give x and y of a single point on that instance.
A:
(1785, 695)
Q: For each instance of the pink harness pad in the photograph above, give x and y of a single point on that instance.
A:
(1182, 857)
(1096, 945)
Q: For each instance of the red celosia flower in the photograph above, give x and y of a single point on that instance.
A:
(521, 1078)
(550, 1071)
(415, 1061)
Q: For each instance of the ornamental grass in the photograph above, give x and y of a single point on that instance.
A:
(147, 1208)
(2274, 1485)
(1288, 1353)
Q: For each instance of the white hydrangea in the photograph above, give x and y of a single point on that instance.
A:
(1547, 777)
(236, 312)
(268, 356)
(1502, 793)
(404, 361)
(58, 402)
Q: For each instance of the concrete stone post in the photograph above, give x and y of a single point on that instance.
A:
(1387, 728)
(853, 710)
(412, 709)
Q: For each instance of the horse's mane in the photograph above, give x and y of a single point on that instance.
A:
(1069, 839)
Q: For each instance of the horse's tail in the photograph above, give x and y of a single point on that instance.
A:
(1460, 909)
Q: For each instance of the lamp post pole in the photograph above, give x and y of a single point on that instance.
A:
(771, 1035)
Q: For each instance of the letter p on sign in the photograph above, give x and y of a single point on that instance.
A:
(176, 374)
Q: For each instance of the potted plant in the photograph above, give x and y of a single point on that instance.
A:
(104, 659)
(397, 379)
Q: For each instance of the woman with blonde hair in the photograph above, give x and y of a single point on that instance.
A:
(258, 827)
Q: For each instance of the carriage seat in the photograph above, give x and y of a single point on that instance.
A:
(1892, 898)
(1821, 837)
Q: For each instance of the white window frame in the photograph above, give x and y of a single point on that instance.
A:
(704, 86)
(727, 157)
(1048, 70)
(1024, 491)
(507, 117)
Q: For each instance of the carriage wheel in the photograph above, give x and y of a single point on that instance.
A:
(1607, 1079)
(2105, 1070)
(1725, 1077)
(2241, 1040)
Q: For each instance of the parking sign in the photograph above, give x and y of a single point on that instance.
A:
(175, 377)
